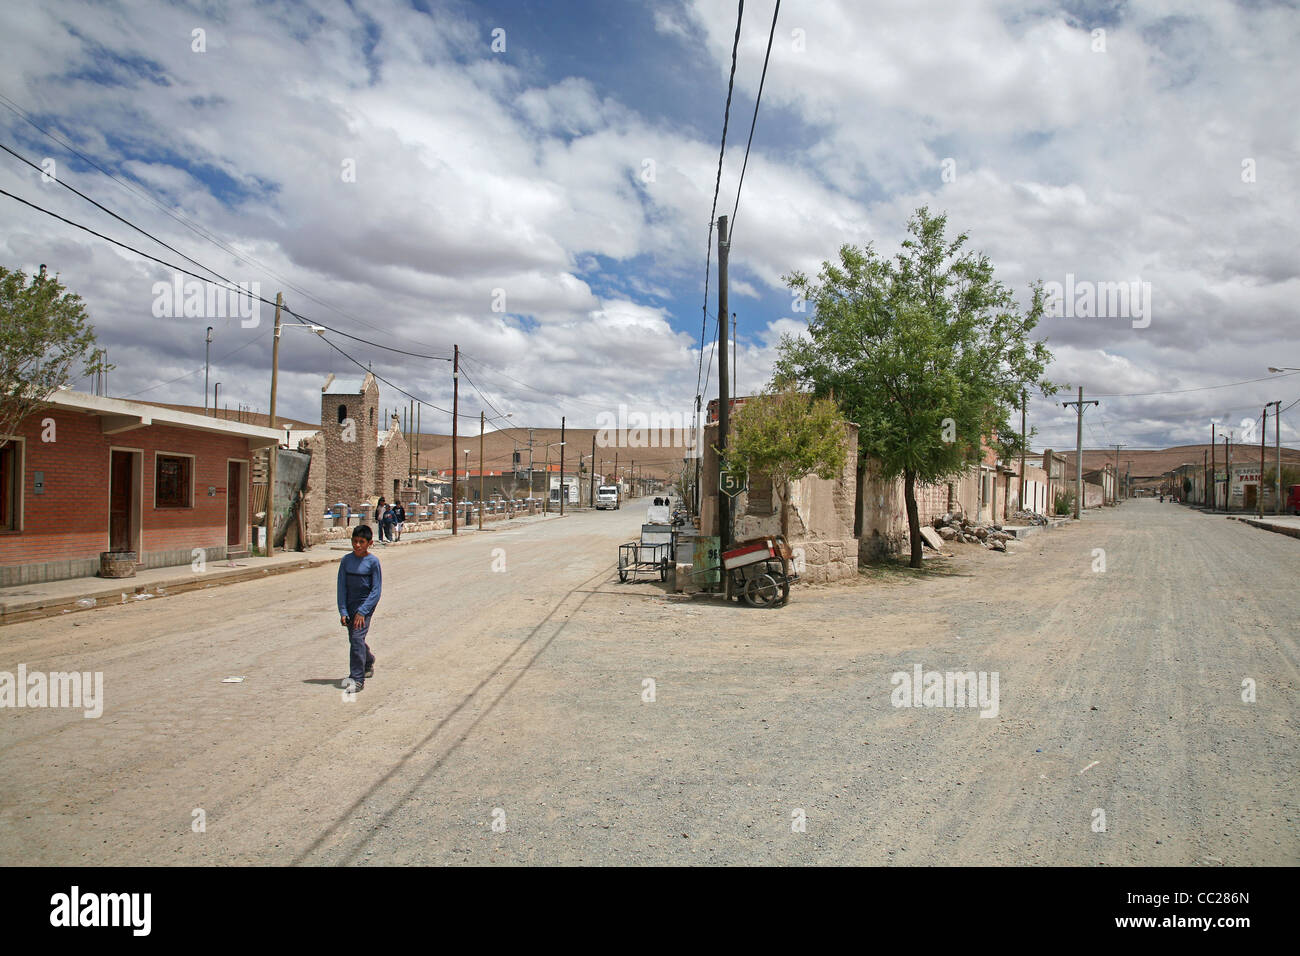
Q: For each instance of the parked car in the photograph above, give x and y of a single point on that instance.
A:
(659, 511)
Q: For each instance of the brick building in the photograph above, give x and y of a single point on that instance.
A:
(89, 474)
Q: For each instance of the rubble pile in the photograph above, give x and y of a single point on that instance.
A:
(1028, 517)
(957, 527)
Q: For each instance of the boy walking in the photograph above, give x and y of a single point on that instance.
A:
(359, 587)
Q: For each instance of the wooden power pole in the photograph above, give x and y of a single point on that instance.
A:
(455, 411)
(275, 448)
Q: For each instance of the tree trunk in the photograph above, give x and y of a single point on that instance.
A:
(785, 508)
(913, 516)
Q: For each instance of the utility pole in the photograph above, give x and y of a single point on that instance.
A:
(1227, 467)
(417, 447)
(1277, 444)
(274, 449)
(1115, 490)
(724, 396)
(530, 463)
(1024, 398)
(593, 471)
(410, 446)
(616, 470)
(1078, 454)
(563, 491)
(699, 453)
(1263, 431)
(1205, 464)
(1214, 469)
(455, 408)
(480, 470)
(207, 365)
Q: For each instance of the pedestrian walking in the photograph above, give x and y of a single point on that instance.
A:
(384, 515)
(359, 587)
(399, 516)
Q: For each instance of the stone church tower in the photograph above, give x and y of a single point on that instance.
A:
(349, 413)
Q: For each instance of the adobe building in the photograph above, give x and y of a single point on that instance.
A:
(89, 474)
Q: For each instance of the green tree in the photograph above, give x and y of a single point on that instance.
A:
(44, 333)
(787, 434)
(927, 352)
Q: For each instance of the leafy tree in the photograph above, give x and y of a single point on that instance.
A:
(927, 352)
(44, 332)
(787, 434)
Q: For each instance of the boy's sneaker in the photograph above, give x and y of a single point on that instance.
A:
(351, 685)
(370, 669)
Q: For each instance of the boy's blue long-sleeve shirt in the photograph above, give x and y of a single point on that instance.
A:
(360, 584)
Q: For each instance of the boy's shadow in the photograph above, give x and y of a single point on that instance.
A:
(328, 681)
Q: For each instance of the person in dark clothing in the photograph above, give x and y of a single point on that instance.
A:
(399, 515)
(384, 515)
(359, 587)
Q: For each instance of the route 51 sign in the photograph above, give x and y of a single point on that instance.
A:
(731, 483)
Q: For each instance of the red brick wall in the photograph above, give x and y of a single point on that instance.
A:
(70, 520)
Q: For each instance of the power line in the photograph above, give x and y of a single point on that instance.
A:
(232, 289)
(183, 220)
(754, 121)
(1201, 388)
(717, 185)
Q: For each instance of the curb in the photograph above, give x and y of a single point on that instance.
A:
(37, 608)
(1267, 526)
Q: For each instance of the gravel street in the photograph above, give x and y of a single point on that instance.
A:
(510, 689)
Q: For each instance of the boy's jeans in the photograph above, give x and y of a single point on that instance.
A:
(385, 530)
(360, 655)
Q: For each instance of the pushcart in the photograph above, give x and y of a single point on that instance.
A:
(760, 571)
(651, 555)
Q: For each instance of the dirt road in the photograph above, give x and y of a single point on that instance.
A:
(518, 697)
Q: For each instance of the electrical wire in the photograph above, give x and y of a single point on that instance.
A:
(183, 220)
(754, 122)
(722, 151)
(232, 289)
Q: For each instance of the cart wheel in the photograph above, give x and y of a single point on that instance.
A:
(784, 580)
(663, 570)
(763, 591)
(622, 568)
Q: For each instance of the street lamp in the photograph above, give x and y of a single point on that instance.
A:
(215, 391)
(207, 352)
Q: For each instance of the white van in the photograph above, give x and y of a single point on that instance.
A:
(659, 511)
(607, 497)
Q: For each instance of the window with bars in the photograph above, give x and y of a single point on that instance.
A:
(172, 481)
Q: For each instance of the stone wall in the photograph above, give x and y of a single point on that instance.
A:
(884, 508)
(314, 499)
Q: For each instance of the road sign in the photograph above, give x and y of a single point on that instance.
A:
(731, 483)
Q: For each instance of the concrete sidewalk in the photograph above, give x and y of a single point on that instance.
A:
(26, 602)
(1282, 524)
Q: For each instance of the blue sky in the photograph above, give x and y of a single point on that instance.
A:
(499, 199)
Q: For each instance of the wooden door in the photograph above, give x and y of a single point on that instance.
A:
(234, 493)
(119, 502)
